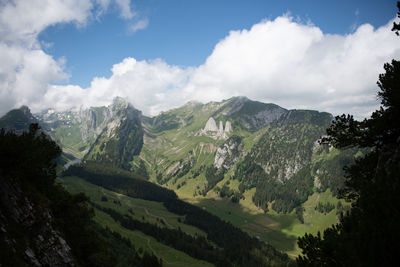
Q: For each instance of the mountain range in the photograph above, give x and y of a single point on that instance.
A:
(198, 149)
(246, 153)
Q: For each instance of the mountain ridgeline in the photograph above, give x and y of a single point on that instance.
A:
(121, 138)
(238, 150)
(198, 148)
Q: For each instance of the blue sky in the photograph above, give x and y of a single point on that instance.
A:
(184, 32)
(160, 54)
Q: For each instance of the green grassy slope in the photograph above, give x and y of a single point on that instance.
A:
(220, 235)
(279, 230)
(149, 211)
(289, 141)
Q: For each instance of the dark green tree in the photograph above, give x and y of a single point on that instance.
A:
(29, 156)
(396, 26)
(368, 235)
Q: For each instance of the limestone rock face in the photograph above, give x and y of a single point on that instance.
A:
(228, 127)
(211, 129)
(228, 153)
(211, 126)
(121, 138)
(92, 122)
(221, 128)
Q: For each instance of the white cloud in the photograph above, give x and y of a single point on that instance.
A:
(26, 71)
(125, 7)
(21, 21)
(25, 75)
(297, 66)
(139, 25)
(151, 86)
(282, 61)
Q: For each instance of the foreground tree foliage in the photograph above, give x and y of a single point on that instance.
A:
(27, 161)
(369, 234)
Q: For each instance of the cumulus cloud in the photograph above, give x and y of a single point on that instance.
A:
(282, 61)
(151, 86)
(21, 21)
(26, 71)
(25, 75)
(297, 66)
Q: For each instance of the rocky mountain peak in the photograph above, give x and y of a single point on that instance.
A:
(17, 120)
(119, 103)
(211, 129)
(253, 114)
(26, 110)
(211, 126)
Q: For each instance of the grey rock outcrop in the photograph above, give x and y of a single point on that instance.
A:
(221, 129)
(211, 129)
(228, 153)
(45, 246)
(121, 138)
(93, 122)
(210, 126)
(228, 127)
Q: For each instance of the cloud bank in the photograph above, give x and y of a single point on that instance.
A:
(283, 61)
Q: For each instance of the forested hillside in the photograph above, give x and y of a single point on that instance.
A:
(224, 245)
(41, 223)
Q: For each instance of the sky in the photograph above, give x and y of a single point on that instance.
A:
(160, 54)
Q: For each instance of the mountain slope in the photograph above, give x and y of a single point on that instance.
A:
(260, 157)
(224, 244)
(270, 146)
(17, 120)
(75, 131)
(121, 138)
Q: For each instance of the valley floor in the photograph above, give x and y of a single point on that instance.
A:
(147, 211)
(279, 230)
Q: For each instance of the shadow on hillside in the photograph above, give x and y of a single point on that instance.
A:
(266, 227)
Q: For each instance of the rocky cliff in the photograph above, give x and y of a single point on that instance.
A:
(228, 153)
(221, 132)
(121, 138)
(27, 234)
